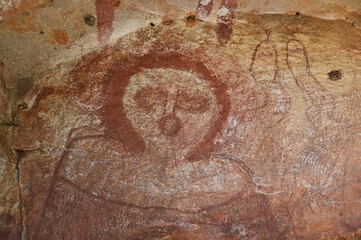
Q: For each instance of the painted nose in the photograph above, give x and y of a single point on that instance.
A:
(170, 125)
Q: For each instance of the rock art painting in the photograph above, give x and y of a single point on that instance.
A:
(161, 115)
(177, 132)
(225, 16)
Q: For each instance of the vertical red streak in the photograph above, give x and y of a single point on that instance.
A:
(204, 8)
(225, 20)
(105, 16)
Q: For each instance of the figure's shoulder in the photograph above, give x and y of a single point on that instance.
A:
(87, 141)
(85, 132)
(78, 134)
(88, 155)
(231, 163)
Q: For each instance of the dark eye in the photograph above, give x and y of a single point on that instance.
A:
(192, 102)
(150, 98)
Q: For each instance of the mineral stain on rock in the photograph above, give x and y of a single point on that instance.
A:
(60, 37)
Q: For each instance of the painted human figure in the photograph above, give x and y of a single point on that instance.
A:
(153, 151)
(170, 118)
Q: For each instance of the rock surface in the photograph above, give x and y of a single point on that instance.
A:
(216, 124)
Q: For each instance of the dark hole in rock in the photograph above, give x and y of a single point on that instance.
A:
(89, 20)
(23, 106)
(335, 75)
(152, 24)
(19, 153)
(191, 18)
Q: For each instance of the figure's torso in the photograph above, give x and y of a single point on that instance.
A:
(104, 169)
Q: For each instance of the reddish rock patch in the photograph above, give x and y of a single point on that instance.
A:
(105, 16)
(60, 37)
(204, 8)
(225, 20)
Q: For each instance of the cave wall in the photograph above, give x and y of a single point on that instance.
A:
(180, 120)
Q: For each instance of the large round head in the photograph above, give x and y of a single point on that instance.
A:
(167, 105)
(171, 109)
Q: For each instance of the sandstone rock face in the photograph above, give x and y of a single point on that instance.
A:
(245, 127)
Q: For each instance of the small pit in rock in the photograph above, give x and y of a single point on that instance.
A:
(335, 75)
(191, 18)
(89, 20)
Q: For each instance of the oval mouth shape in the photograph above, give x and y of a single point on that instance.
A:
(170, 125)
